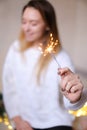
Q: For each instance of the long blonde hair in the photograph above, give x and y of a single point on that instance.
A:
(48, 14)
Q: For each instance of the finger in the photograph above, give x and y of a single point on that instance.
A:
(75, 88)
(63, 71)
(68, 86)
(64, 92)
(71, 83)
(27, 125)
(69, 80)
(65, 81)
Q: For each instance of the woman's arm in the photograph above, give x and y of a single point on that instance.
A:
(72, 88)
(10, 95)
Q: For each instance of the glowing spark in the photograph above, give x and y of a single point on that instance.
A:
(50, 48)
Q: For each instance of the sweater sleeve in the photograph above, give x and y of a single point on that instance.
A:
(10, 96)
(77, 105)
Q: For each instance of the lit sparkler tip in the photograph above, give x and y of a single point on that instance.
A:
(50, 48)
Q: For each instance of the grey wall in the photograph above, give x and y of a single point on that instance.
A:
(72, 22)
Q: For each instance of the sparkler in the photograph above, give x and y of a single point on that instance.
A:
(50, 48)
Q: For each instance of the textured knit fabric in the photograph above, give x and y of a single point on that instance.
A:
(42, 106)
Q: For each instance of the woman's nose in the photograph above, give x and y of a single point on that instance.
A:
(27, 28)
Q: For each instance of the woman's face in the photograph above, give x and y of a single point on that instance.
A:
(33, 25)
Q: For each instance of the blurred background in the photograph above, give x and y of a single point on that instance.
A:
(72, 24)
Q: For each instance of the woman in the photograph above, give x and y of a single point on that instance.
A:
(35, 96)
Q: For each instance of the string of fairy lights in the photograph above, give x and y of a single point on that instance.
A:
(78, 113)
(81, 112)
(5, 121)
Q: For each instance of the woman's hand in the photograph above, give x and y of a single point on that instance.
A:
(20, 124)
(71, 85)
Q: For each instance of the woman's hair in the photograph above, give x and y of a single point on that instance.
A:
(48, 14)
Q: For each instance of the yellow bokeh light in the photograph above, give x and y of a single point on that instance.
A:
(81, 112)
(10, 127)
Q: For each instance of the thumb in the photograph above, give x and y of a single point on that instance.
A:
(64, 71)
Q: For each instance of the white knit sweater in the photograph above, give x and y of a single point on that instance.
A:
(42, 106)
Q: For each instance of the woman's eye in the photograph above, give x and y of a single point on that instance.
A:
(23, 22)
(34, 24)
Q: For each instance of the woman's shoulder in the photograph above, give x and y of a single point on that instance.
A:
(65, 59)
(63, 52)
(13, 48)
(63, 55)
(15, 45)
